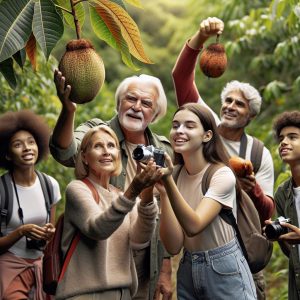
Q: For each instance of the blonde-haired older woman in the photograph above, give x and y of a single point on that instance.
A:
(102, 265)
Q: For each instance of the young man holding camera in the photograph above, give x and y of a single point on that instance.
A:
(287, 196)
(140, 100)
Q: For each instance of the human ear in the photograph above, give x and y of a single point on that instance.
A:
(207, 136)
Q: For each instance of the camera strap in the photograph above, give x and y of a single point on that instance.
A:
(20, 210)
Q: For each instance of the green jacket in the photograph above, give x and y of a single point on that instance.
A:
(67, 158)
(285, 206)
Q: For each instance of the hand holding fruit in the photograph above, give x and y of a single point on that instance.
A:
(240, 166)
(243, 169)
(213, 59)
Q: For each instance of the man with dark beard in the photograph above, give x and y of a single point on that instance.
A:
(241, 102)
(140, 100)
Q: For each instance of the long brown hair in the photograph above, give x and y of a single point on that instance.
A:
(213, 150)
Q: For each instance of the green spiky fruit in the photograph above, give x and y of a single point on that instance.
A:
(83, 69)
(213, 60)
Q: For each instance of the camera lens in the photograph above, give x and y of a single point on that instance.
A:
(138, 153)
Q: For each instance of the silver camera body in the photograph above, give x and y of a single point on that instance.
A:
(143, 153)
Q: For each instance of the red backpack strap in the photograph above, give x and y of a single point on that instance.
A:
(76, 237)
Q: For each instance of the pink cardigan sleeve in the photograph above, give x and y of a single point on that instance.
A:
(183, 75)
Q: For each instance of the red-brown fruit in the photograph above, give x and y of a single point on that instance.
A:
(241, 166)
(213, 60)
(83, 69)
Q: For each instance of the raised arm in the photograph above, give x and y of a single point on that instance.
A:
(63, 130)
(183, 72)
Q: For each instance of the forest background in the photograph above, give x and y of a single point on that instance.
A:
(262, 45)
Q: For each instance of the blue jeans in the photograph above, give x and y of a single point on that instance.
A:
(220, 273)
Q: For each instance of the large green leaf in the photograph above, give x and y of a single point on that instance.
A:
(68, 17)
(47, 25)
(108, 30)
(15, 26)
(6, 68)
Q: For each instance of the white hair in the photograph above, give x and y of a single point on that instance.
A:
(248, 91)
(161, 104)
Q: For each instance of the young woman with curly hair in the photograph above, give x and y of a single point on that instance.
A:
(24, 138)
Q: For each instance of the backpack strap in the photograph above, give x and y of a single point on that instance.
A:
(76, 237)
(226, 214)
(243, 146)
(176, 172)
(6, 193)
(256, 154)
(207, 176)
(3, 203)
(256, 151)
(47, 189)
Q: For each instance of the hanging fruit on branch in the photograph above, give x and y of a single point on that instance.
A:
(83, 70)
(42, 26)
(213, 60)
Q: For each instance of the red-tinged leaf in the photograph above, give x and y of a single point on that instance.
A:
(31, 50)
(129, 29)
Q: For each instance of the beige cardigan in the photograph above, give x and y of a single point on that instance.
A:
(103, 258)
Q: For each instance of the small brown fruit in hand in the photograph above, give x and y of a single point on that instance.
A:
(241, 166)
(83, 69)
(213, 60)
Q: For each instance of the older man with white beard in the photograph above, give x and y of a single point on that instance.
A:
(140, 100)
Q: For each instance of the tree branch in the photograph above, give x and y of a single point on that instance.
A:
(77, 25)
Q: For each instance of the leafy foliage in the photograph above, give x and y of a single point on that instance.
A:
(28, 23)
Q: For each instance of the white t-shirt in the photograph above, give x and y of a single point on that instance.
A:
(265, 174)
(221, 189)
(33, 205)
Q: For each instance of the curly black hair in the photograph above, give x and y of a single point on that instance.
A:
(288, 118)
(12, 122)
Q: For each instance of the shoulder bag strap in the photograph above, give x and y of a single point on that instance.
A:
(76, 237)
(256, 154)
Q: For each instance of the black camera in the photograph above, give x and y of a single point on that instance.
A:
(144, 153)
(35, 244)
(274, 230)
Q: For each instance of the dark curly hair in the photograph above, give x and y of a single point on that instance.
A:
(288, 118)
(12, 122)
